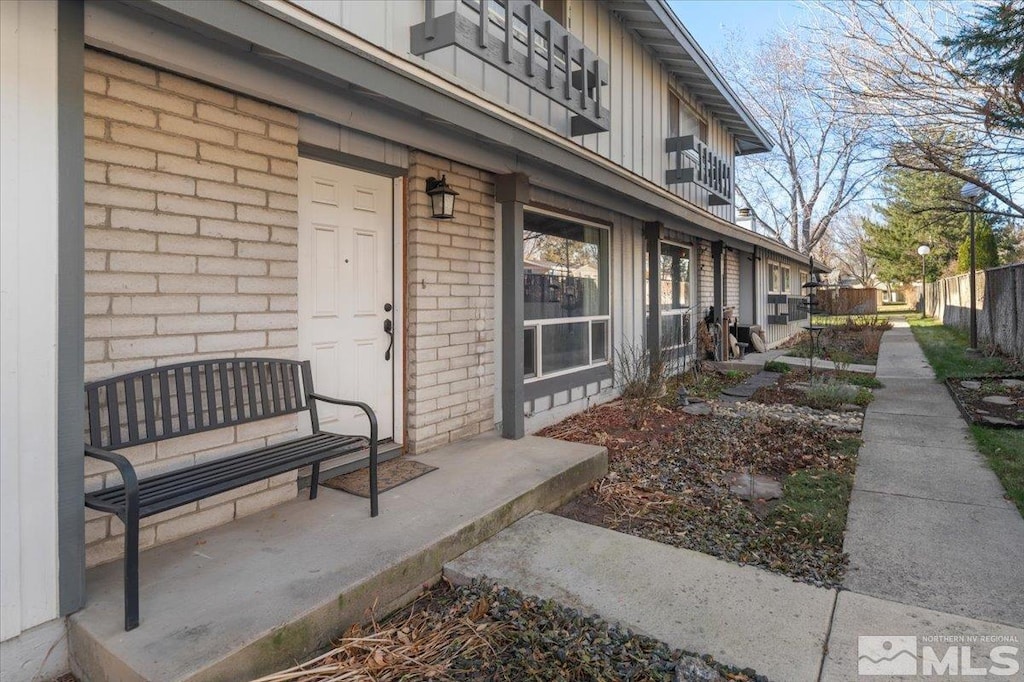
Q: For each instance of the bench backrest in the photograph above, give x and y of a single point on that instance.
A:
(176, 400)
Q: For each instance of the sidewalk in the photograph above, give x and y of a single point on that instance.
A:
(935, 551)
(928, 524)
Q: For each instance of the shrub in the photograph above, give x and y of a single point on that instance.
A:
(776, 366)
(826, 394)
(862, 380)
(871, 339)
(640, 379)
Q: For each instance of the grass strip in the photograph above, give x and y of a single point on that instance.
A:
(1003, 448)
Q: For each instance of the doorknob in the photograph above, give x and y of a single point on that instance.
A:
(389, 330)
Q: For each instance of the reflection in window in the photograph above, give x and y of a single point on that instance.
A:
(674, 295)
(566, 286)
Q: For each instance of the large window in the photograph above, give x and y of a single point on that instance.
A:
(566, 286)
(674, 295)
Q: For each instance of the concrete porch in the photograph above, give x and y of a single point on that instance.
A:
(260, 593)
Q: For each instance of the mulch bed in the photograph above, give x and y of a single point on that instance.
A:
(481, 632)
(1004, 407)
(667, 482)
(849, 342)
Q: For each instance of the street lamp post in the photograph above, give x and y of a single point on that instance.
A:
(971, 192)
(923, 251)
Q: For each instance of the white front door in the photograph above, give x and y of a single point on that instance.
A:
(346, 277)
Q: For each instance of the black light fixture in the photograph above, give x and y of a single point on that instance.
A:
(442, 198)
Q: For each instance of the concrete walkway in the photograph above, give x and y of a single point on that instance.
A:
(928, 522)
(936, 551)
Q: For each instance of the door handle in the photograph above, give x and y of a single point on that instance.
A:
(389, 330)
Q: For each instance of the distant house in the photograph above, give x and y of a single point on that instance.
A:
(203, 179)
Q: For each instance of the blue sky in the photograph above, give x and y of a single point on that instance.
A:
(713, 22)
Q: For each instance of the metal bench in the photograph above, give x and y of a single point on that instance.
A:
(177, 400)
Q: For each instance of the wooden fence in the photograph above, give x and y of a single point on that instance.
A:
(1000, 306)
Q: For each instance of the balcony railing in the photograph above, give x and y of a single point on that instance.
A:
(518, 38)
(708, 171)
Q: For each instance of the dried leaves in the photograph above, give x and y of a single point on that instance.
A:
(667, 483)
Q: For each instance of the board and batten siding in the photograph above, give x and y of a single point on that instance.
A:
(637, 94)
(777, 333)
(626, 254)
(28, 317)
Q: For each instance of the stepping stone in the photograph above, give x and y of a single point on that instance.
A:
(1012, 383)
(971, 385)
(997, 421)
(999, 400)
(740, 391)
(699, 409)
(753, 486)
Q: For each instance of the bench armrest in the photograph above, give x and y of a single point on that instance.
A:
(352, 403)
(128, 476)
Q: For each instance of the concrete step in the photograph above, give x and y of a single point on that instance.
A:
(271, 589)
(741, 615)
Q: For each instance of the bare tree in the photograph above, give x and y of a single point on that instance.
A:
(848, 253)
(889, 73)
(820, 164)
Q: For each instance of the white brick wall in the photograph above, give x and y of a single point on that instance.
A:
(732, 280)
(190, 252)
(450, 299)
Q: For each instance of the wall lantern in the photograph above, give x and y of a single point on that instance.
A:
(442, 198)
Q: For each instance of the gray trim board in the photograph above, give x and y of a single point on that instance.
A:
(652, 239)
(70, 305)
(566, 382)
(317, 153)
(512, 192)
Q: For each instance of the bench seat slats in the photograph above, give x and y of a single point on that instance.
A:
(175, 488)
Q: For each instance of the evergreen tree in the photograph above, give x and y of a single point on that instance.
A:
(921, 208)
(986, 251)
(992, 49)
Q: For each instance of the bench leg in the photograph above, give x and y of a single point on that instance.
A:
(373, 477)
(314, 482)
(131, 569)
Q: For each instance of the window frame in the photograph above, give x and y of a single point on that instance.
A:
(673, 312)
(538, 324)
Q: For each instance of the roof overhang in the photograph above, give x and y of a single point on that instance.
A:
(660, 30)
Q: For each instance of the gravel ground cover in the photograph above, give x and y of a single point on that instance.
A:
(484, 632)
(668, 481)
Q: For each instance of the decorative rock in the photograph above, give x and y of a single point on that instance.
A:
(998, 421)
(971, 385)
(1012, 383)
(849, 407)
(748, 486)
(698, 409)
(999, 400)
(692, 669)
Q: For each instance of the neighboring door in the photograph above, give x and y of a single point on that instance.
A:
(346, 281)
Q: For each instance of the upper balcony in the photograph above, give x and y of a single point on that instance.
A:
(519, 39)
(697, 164)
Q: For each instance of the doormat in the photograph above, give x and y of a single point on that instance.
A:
(390, 474)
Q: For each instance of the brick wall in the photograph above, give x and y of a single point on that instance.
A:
(732, 280)
(191, 231)
(706, 278)
(450, 303)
